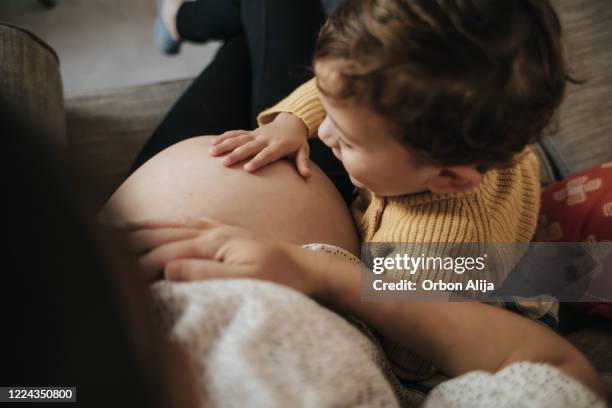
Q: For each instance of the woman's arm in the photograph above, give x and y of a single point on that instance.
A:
(456, 337)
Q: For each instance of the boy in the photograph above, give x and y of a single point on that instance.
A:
(430, 107)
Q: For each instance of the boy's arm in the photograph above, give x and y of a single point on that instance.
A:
(303, 102)
(456, 337)
(283, 131)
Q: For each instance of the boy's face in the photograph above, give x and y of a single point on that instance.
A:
(362, 141)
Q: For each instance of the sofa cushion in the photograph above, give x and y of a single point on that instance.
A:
(579, 208)
(583, 134)
(548, 172)
(107, 128)
(30, 82)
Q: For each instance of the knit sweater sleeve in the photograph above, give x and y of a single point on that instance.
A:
(303, 102)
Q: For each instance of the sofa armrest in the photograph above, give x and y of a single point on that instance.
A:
(107, 128)
(31, 85)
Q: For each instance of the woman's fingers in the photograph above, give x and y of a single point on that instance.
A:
(143, 240)
(227, 135)
(243, 152)
(143, 236)
(199, 269)
(230, 144)
(200, 248)
(302, 161)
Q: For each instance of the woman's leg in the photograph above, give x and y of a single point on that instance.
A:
(205, 20)
(216, 101)
(240, 81)
(280, 37)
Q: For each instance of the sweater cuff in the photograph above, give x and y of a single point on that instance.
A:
(303, 102)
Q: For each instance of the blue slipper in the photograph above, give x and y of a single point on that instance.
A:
(162, 37)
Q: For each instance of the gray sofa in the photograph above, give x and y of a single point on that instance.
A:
(104, 130)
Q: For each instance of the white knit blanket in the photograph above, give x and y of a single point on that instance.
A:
(260, 344)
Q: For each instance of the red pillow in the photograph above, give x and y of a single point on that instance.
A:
(579, 209)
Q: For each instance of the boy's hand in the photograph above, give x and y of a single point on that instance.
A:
(285, 136)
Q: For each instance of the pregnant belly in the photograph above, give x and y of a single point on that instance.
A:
(185, 181)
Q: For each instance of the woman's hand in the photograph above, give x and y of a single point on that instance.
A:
(196, 249)
(285, 136)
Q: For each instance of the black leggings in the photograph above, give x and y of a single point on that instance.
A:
(267, 53)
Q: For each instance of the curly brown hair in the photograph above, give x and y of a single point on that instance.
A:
(463, 81)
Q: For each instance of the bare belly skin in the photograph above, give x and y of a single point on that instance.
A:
(185, 181)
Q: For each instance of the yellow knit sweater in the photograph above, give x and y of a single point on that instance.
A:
(503, 208)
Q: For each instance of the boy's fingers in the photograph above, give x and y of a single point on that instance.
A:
(227, 135)
(231, 144)
(243, 152)
(303, 162)
(266, 156)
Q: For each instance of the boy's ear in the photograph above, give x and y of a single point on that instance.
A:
(454, 179)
